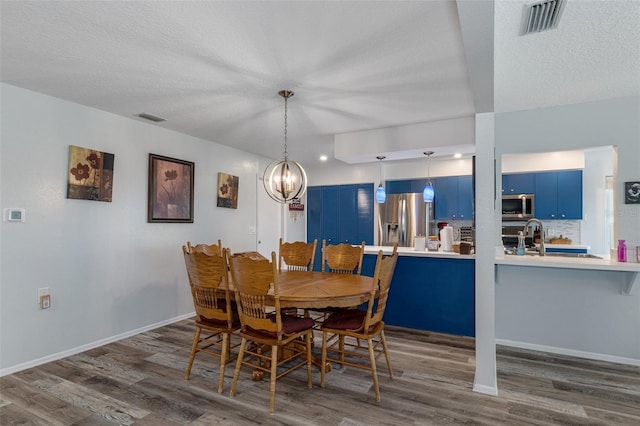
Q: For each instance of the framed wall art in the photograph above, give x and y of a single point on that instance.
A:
(227, 191)
(632, 192)
(90, 174)
(170, 190)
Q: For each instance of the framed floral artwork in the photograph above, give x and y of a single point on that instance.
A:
(228, 191)
(170, 190)
(90, 174)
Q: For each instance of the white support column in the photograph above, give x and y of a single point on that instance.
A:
(486, 219)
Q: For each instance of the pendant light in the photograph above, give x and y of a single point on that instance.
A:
(285, 180)
(381, 194)
(428, 192)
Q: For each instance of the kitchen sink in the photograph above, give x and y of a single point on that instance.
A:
(579, 255)
(555, 254)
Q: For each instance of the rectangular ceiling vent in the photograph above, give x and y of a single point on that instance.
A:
(542, 16)
(151, 117)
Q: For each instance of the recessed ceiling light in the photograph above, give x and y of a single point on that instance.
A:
(323, 158)
(457, 155)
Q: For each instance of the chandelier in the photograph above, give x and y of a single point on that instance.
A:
(285, 180)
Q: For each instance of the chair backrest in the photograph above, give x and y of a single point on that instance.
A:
(385, 266)
(342, 258)
(253, 278)
(208, 249)
(209, 281)
(297, 256)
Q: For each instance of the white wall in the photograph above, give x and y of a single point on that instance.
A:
(598, 165)
(109, 271)
(556, 311)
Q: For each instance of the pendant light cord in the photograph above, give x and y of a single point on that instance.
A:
(286, 154)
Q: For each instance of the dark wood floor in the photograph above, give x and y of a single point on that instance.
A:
(140, 381)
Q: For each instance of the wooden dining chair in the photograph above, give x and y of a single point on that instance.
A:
(342, 258)
(338, 259)
(216, 315)
(358, 324)
(297, 255)
(210, 249)
(265, 329)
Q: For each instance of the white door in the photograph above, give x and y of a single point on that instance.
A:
(268, 219)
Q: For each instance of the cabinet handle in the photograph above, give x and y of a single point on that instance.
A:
(562, 215)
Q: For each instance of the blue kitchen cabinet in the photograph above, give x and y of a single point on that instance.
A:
(340, 214)
(453, 197)
(465, 197)
(446, 197)
(314, 213)
(518, 183)
(430, 293)
(570, 194)
(558, 195)
(397, 186)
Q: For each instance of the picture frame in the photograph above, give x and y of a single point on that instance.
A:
(90, 174)
(632, 192)
(170, 198)
(228, 187)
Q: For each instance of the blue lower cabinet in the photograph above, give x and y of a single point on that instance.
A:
(430, 293)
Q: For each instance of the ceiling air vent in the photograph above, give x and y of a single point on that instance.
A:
(542, 16)
(151, 117)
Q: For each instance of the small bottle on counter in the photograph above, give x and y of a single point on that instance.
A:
(622, 251)
(520, 249)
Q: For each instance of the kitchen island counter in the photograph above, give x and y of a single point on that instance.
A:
(409, 251)
(433, 291)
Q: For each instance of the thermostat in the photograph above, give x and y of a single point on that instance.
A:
(14, 215)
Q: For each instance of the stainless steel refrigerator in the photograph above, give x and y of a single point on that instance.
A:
(404, 216)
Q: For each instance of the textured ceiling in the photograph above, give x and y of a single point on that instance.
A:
(213, 69)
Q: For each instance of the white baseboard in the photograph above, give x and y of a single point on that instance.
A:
(569, 352)
(97, 343)
(487, 390)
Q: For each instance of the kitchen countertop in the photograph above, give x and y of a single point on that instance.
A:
(631, 270)
(409, 251)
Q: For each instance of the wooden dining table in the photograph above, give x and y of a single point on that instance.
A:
(308, 289)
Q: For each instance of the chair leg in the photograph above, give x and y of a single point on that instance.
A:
(223, 360)
(308, 338)
(323, 358)
(272, 384)
(194, 348)
(236, 372)
(341, 348)
(374, 372)
(386, 353)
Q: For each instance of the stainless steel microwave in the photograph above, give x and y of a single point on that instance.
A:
(518, 207)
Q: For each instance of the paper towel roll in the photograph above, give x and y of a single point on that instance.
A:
(419, 243)
(446, 238)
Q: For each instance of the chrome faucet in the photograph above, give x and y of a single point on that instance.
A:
(539, 222)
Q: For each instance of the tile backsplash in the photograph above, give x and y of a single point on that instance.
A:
(553, 228)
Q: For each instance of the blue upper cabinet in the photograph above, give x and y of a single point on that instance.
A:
(558, 195)
(453, 197)
(465, 197)
(398, 186)
(518, 183)
(570, 194)
(340, 214)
